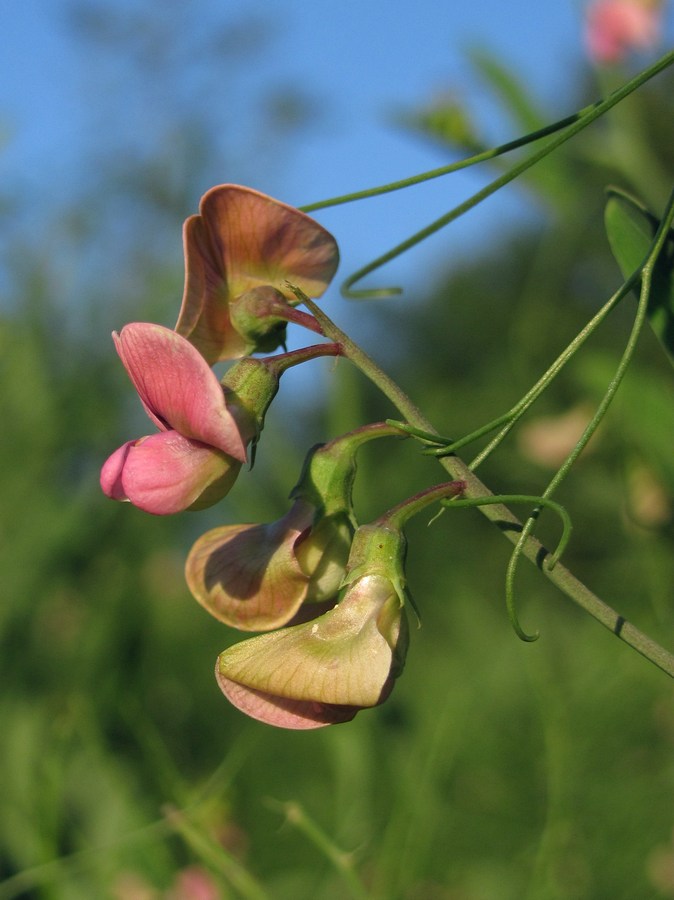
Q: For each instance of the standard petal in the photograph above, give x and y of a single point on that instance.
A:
(177, 386)
(167, 473)
(204, 315)
(247, 575)
(243, 239)
(264, 241)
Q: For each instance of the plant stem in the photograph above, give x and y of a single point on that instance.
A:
(483, 155)
(340, 860)
(498, 513)
(216, 856)
(578, 122)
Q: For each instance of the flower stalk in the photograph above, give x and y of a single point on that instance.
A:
(498, 513)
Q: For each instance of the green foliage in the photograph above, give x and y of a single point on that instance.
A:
(631, 229)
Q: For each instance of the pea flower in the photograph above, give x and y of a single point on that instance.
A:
(240, 253)
(204, 429)
(323, 672)
(614, 27)
(256, 577)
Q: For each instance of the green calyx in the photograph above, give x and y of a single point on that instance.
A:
(250, 386)
(378, 550)
(254, 314)
(329, 470)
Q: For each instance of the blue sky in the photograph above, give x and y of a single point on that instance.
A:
(360, 60)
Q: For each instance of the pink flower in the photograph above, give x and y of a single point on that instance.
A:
(240, 251)
(195, 457)
(614, 27)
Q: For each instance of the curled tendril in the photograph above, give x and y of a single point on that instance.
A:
(549, 561)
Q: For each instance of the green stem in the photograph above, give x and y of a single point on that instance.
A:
(340, 860)
(498, 513)
(482, 156)
(567, 527)
(283, 361)
(578, 122)
(398, 516)
(215, 856)
(512, 417)
(646, 274)
(441, 446)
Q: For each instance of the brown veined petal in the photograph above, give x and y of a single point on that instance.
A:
(240, 240)
(248, 575)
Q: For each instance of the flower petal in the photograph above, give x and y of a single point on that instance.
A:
(349, 656)
(178, 388)
(240, 240)
(247, 575)
(204, 315)
(615, 27)
(282, 712)
(167, 473)
(111, 473)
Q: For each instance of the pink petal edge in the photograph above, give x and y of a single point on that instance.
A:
(283, 712)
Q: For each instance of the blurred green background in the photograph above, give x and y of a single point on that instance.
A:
(497, 770)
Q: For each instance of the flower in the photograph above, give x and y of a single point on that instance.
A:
(240, 251)
(614, 27)
(203, 430)
(325, 671)
(256, 577)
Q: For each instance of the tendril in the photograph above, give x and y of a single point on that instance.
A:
(549, 561)
(569, 127)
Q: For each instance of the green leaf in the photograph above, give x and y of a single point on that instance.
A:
(631, 228)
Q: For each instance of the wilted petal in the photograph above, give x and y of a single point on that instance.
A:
(348, 657)
(177, 387)
(167, 473)
(243, 239)
(248, 575)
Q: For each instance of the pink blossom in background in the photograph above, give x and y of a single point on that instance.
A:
(195, 883)
(615, 27)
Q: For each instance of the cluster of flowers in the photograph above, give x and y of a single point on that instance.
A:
(329, 595)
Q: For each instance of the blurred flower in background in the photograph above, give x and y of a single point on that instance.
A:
(613, 28)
